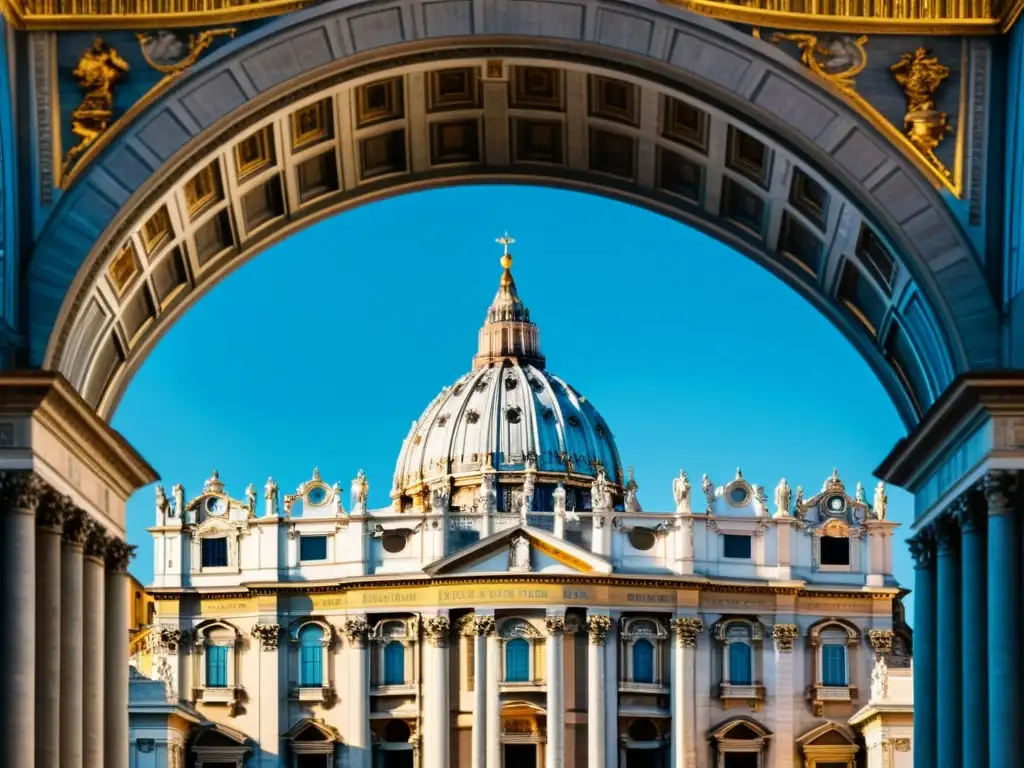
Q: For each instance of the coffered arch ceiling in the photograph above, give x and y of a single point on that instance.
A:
(348, 102)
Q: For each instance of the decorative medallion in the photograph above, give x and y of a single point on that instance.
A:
(837, 59)
(169, 53)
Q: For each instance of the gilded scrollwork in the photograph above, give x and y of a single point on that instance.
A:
(837, 59)
(99, 69)
(166, 52)
(920, 75)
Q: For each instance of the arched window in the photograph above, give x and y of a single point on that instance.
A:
(517, 661)
(394, 663)
(831, 640)
(833, 663)
(216, 643)
(311, 669)
(216, 666)
(740, 664)
(643, 661)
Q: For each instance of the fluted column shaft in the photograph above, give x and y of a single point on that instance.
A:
(71, 659)
(436, 712)
(481, 627)
(19, 494)
(948, 655)
(115, 656)
(554, 651)
(974, 664)
(493, 726)
(1004, 619)
(93, 653)
(684, 668)
(922, 548)
(50, 516)
(598, 626)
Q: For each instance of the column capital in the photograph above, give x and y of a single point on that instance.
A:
(53, 509)
(169, 638)
(881, 641)
(476, 624)
(1000, 487)
(687, 628)
(922, 548)
(436, 629)
(598, 627)
(785, 637)
(21, 490)
(355, 630)
(971, 509)
(76, 527)
(947, 532)
(269, 635)
(555, 625)
(96, 539)
(118, 554)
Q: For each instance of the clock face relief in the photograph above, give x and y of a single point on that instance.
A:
(215, 506)
(316, 495)
(836, 505)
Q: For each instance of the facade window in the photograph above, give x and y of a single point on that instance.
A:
(643, 661)
(215, 552)
(394, 663)
(311, 670)
(740, 664)
(312, 548)
(833, 664)
(216, 666)
(736, 547)
(517, 661)
(835, 551)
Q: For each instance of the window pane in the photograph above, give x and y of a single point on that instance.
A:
(643, 662)
(517, 661)
(312, 548)
(394, 663)
(835, 550)
(740, 672)
(311, 656)
(216, 666)
(215, 552)
(736, 546)
(833, 665)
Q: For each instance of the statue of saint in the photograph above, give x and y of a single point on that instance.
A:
(529, 486)
(782, 498)
(799, 508)
(709, 490)
(600, 497)
(360, 490)
(519, 554)
(163, 504)
(270, 496)
(439, 500)
(487, 499)
(178, 492)
(632, 504)
(250, 497)
(881, 501)
(681, 491)
(558, 499)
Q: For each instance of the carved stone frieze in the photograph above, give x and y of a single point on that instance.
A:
(356, 630)
(436, 629)
(687, 629)
(598, 627)
(785, 636)
(269, 635)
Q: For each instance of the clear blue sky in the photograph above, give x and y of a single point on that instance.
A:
(322, 350)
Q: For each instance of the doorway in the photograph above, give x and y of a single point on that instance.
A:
(741, 760)
(643, 758)
(520, 756)
(397, 758)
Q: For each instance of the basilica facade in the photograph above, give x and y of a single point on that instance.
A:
(514, 606)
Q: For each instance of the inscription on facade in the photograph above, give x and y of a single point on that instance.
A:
(221, 607)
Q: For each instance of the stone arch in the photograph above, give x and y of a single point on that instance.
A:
(840, 625)
(101, 294)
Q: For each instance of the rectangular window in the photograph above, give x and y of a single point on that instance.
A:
(215, 552)
(833, 665)
(736, 547)
(311, 673)
(312, 548)
(216, 666)
(835, 550)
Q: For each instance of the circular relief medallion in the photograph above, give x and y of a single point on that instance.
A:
(642, 539)
(393, 542)
(835, 504)
(739, 495)
(316, 496)
(215, 506)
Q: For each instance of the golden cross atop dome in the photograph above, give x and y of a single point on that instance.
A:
(505, 241)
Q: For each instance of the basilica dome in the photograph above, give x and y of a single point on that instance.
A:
(508, 415)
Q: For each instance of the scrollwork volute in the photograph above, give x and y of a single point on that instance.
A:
(436, 629)
(598, 627)
(269, 635)
(356, 630)
(687, 629)
(881, 641)
(785, 636)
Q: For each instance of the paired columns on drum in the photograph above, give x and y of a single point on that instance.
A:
(65, 669)
(968, 582)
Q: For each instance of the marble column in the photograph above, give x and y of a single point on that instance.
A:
(493, 722)
(482, 627)
(611, 689)
(784, 635)
(49, 530)
(948, 657)
(359, 747)
(974, 667)
(115, 655)
(598, 626)
(554, 651)
(267, 635)
(922, 549)
(93, 613)
(436, 711)
(1004, 619)
(71, 659)
(684, 696)
(20, 493)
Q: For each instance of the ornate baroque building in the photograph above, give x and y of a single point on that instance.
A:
(514, 606)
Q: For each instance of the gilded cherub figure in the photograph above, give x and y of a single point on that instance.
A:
(97, 72)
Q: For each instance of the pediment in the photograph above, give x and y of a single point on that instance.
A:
(504, 552)
(311, 729)
(828, 734)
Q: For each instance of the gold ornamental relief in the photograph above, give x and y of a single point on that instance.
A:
(835, 58)
(920, 76)
(99, 69)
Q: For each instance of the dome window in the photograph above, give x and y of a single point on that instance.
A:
(394, 542)
(514, 415)
(457, 389)
(472, 416)
(642, 539)
(511, 383)
(547, 414)
(739, 495)
(537, 386)
(481, 386)
(573, 421)
(442, 419)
